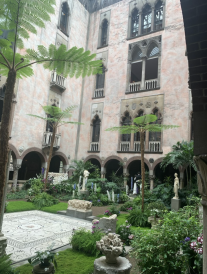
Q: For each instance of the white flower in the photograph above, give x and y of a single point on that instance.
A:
(57, 254)
(48, 253)
(46, 269)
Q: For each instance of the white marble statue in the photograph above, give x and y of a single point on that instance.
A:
(176, 186)
(127, 189)
(109, 197)
(85, 174)
(135, 188)
(112, 195)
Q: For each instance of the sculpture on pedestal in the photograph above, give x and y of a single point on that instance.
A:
(85, 174)
(176, 186)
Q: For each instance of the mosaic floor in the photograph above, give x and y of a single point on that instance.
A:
(31, 231)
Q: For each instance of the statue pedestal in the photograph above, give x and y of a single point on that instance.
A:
(175, 204)
(123, 266)
(84, 192)
(3, 244)
(78, 213)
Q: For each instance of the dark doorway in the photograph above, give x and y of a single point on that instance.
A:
(31, 166)
(135, 167)
(55, 164)
(95, 163)
(113, 166)
(168, 172)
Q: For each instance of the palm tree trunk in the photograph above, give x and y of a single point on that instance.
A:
(142, 166)
(4, 130)
(50, 155)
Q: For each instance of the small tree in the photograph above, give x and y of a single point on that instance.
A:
(181, 156)
(55, 118)
(142, 124)
(18, 19)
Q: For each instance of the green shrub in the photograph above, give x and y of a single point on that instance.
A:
(138, 218)
(138, 200)
(85, 241)
(125, 233)
(159, 251)
(127, 205)
(156, 209)
(112, 210)
(123, 198)
(17, 195)
(44, 200)
(5, 265)
(104, 199)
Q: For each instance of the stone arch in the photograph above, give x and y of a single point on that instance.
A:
(14, 152)
(135, 158)
(157, 162)
(150, 44)
(62, 156)
(39, 152)
(112, 158)
(93, 157)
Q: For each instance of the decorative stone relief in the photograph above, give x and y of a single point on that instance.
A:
(106, 224)
(97, 109)
(21, 150)
(148, 105)
(58, 177)
(79, 204)
(151, 160)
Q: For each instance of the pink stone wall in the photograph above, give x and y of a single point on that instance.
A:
(174, 80)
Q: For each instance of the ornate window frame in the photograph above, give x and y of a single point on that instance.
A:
(69, 17)
(140, 5)
(144, 46)
(104, 16)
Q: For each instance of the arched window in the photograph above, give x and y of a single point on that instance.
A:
(49, 124)
(64, 18)
(2, 94)
(126, 121)
(137, 134)
(146, 19)
(156, 136)
(96, 129)
(100, 78)
(135, 23)
(136, 67)
(158, 15)
(104, 33)
(151, 71)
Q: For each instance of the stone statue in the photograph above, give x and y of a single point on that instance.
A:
(111, 246)
(85, 174)
(176, 186)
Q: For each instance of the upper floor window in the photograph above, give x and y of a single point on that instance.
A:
(135, 23)
(64, 18)
(96, 129)
(100, 79)
(156, 136)
(104, 33)
(146, 19)
(137, 134)
(158, 15)
(136, 67)
(2, 94)
(125, 122)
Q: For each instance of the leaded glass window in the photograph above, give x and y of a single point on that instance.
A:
(158, 15)
(135, 23)
(125, 122)
(104, 33)
(146, 19)
(96, 129)
(100, 79)
(137, 134)
(156, 136)
(64, 18)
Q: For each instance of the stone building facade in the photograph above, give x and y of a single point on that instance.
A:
(145, 70)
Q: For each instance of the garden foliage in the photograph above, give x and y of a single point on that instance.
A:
(137, 217)
(44, 200)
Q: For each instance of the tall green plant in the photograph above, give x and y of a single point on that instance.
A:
(181, 157)
(141, 125)
(55, 117)
(79, 166)
(18, 19)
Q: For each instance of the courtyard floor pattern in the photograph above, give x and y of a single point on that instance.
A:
(31, 231)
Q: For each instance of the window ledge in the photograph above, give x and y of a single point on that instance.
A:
(98, 97)
(144, 34)
(63, 31)
(137, 152)
(102, 47)
(141, 90)
(90, 151)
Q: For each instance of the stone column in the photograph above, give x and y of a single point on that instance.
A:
(201, 164)
(132, 142)
(153, 19)
(17, 163)
(140, 23)
(103, 172)
(143, 72)
(126, 175)
(151, 177)
(147, 141)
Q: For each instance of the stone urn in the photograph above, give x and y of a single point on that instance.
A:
(111, 246)
(46, 268)
(153, 221)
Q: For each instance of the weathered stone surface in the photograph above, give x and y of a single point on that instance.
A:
(106, 224)
(80, 214)
(123, 266)
(175, 204)
(79, 204)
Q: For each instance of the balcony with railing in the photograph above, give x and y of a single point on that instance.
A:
(137, 146)
(47, 138)
(94, 146)
(153, 147)
(135, 87)
(124, 146)
(151, 84)
(57, 81)
(98, 93)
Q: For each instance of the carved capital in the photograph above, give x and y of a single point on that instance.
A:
(16, 167)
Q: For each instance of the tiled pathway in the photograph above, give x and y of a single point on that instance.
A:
(31, 231)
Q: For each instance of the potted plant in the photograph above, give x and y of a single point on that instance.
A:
(43, 262)
(156, 213)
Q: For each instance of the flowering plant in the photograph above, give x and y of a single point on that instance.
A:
(193, 252)
(125, 233)
(44, 259)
